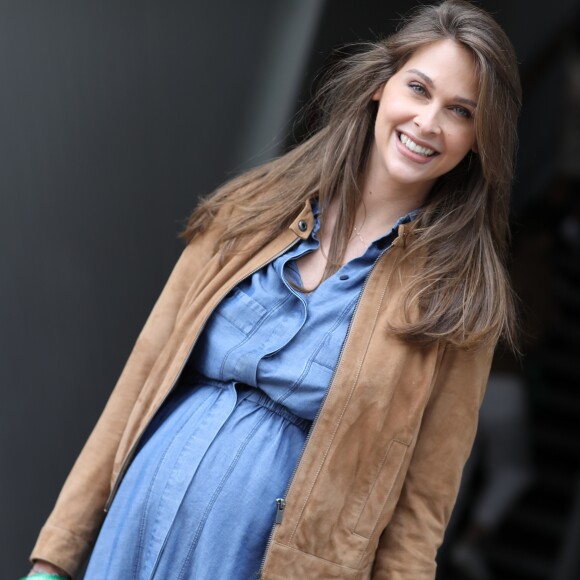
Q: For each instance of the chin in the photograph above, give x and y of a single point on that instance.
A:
(408, 178)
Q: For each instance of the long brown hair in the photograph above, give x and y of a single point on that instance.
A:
(462, 288)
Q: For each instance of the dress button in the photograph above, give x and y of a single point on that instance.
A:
(343, 277)
(302, 226)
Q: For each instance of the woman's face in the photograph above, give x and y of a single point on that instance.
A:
(425, 120)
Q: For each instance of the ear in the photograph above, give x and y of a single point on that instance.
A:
(475, 148)
(378, 93)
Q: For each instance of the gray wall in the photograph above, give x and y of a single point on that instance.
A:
(114, 116)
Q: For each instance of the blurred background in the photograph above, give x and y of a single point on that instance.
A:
(116, 116)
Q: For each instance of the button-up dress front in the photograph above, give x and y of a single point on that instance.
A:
(199, 499)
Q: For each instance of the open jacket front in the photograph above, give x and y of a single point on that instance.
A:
(374, 488)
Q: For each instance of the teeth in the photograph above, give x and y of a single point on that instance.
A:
(412, 146)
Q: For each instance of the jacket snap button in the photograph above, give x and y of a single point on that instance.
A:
(302, 226)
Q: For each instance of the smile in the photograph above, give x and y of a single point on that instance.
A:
(412, 146)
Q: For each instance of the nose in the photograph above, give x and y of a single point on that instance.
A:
(427, 121)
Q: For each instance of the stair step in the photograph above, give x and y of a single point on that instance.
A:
(534, 518)
(553, 482)
(557, 441)
(519, 564)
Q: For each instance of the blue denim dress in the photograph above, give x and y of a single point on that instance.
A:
(199, 499)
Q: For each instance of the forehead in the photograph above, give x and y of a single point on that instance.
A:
(450, 66)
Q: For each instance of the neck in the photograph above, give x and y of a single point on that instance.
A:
(381, 208)
(374, 218)
(386, 199)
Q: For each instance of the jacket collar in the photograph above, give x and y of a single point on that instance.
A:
(304, 222)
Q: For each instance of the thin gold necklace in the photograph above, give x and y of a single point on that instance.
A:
(357, 230)
(359, 236)
(356, 233)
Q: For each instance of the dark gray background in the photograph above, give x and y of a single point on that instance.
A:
(114, 117)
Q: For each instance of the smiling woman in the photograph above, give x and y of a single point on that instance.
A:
(304, 395)
(424, 125)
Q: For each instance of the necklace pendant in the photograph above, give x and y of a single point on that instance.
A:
(359, 236)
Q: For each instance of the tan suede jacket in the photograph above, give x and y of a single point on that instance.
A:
(374, 488)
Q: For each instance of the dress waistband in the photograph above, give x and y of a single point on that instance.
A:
(191, 377)
(258, 397)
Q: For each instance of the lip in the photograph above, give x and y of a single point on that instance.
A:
(411, 154)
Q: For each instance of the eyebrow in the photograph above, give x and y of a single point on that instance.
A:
(428, 80)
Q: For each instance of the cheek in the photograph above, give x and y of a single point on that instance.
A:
(391, 110)
(461, 143)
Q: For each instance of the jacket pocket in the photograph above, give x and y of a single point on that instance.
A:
(381, 492)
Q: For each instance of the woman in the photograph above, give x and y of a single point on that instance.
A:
(304, 395)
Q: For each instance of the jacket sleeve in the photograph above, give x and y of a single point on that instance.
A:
(408, 546)
(69, 532)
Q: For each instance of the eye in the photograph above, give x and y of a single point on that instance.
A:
(462, 111)
(418, 88)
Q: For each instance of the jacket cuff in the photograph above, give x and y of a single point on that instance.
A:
(61, 548)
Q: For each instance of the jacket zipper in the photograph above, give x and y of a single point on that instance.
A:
(135, 445)
(280, 507)
(281, 502)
